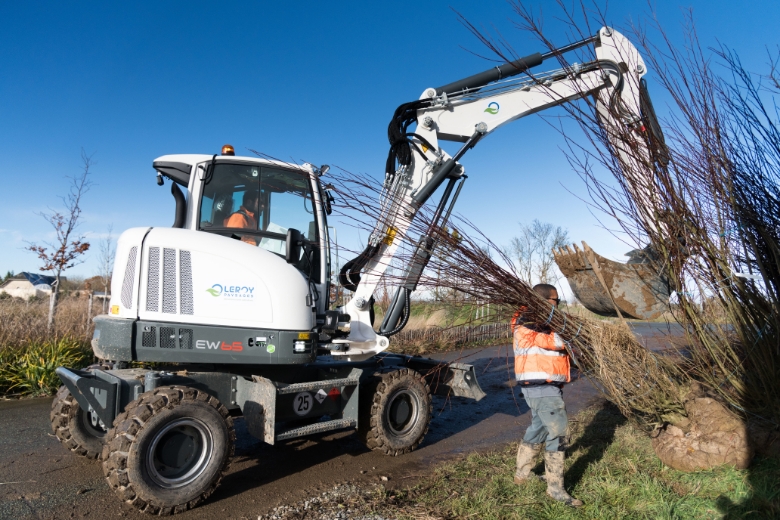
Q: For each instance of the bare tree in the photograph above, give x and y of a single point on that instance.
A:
(532, 250)
(66, 250)
(106, 266)
(521, 250)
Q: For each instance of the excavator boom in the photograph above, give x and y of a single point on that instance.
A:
(468, 110)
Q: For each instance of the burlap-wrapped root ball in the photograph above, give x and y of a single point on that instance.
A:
(711, 437)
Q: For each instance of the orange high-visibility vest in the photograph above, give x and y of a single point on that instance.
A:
(540, 357)
(244, 219)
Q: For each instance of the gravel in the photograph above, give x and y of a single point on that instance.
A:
(343, 502)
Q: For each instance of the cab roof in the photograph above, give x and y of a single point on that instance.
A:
(178, 167)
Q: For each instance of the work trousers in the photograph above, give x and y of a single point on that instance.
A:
(549, 422)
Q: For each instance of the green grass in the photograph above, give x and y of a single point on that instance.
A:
(611, 466)
(28, 370)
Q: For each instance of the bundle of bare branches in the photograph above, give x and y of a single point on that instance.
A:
(644, 385)
(710, 211)
(658, 390)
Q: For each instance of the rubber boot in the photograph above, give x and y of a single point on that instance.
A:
(526, 453)
(553, 467)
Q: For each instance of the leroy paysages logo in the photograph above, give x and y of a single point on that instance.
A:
(232, 292)
(492, 108)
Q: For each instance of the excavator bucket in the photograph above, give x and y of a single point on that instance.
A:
(635, 290)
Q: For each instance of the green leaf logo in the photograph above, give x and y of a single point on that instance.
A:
(213, 292)
(492, 108)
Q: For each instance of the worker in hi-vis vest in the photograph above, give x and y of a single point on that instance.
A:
(541, 370)
(246, 216)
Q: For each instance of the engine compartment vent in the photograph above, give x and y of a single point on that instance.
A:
(149, 337)
(170, 337)
(185, 283)
(153, 281)
(167, 337)
(127, 283)
(174, 276)
(169, 281)
(185, 338)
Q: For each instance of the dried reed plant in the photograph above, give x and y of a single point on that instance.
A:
(23, 322)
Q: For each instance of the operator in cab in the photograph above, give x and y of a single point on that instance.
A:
(541, 370)
(246, 216)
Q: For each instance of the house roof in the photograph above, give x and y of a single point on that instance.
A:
(39, 279)
(33, 278)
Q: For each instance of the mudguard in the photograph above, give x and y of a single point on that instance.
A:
(95, 390)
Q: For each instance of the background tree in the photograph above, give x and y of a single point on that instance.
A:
(66, 250)
(107, 254)
(532, 251)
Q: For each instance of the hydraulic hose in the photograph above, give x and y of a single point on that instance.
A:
(392, 314)
(349, 276)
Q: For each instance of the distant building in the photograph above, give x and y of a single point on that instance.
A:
(27, 285)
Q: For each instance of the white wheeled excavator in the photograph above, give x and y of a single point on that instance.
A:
(231, 305)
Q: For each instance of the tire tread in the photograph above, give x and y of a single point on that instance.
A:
(129, 423)
(60, 417)
(370, 428)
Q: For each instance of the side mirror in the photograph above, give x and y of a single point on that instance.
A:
(294, 243)
(329, 200)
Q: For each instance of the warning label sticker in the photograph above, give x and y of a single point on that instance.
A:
(320, 395)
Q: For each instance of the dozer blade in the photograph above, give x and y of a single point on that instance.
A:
(608, 288)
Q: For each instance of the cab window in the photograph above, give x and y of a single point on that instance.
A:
(258, 205)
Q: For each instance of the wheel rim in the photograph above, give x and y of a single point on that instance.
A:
(179, 453)
(90, 424)
(402, 411)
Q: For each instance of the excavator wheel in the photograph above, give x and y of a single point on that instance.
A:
(395, 411)
(169, 450)
(77, 429)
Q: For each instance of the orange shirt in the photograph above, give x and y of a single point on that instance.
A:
(244, 219)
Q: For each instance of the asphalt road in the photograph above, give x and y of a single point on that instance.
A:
(40, 479)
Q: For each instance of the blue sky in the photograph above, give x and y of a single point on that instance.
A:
(301, 81)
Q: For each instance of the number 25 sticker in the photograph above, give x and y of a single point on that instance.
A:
(302, 403)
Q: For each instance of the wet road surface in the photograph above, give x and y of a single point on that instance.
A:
(40, 479)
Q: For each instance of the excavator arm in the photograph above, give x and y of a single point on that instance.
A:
(466, 111)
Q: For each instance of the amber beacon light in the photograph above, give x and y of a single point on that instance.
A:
(228, 150)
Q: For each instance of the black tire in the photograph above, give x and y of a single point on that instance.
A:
(395, 411)
(77, 429)
(169, 450)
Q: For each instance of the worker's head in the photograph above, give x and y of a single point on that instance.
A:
(548, 292)
(251, 199)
